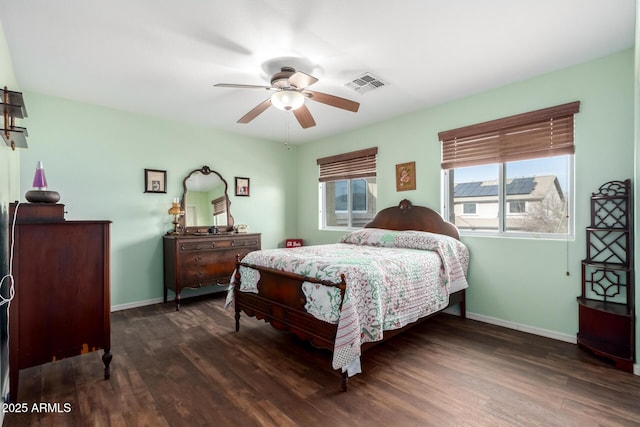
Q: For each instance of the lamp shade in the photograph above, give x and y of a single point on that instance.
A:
(175, 209)
(287, 99)
(39, 179)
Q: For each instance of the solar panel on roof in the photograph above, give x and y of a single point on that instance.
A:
(465, 189)
(521, 186)
(476, 189)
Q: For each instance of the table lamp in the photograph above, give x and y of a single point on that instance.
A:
(39, 193)
(176, 211)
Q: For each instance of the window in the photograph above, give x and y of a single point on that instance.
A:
(517, 207)
(358, 195)
(469, 208)
(348, 189)
(516, 171)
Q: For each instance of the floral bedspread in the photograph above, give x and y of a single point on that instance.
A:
(393, 279)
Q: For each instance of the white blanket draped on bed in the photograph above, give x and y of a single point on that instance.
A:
(393, 279)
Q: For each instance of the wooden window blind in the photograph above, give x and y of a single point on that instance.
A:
(219, 205)
(356, 164)
(541, 133)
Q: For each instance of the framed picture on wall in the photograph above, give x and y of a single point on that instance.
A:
(155, 181)
(406, 176)
(242, 186)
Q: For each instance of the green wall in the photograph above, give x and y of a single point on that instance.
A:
(9, 160)
(9, 190)
(512, 280)
(95, 158)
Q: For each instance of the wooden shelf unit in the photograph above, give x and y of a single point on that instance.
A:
(12, 107)
(606, 304)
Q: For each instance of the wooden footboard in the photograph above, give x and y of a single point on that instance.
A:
(280, 301)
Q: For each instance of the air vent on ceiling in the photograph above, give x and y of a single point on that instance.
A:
(365, 83)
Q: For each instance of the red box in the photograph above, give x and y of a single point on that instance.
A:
(293, 243)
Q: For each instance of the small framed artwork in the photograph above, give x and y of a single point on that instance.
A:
(242, 186)
(406, 176)
(155, 181)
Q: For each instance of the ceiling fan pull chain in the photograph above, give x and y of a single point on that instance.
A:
(286, 130)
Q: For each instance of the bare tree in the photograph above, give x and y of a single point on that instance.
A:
(548, 215)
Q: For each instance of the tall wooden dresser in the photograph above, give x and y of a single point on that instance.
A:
(61, 306)
(193, 261)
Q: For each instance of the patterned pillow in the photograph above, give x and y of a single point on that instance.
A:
(408, 239)
(370, 237)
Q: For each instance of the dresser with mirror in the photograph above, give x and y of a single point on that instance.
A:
(203, 249)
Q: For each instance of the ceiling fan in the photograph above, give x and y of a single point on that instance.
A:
(290, 91)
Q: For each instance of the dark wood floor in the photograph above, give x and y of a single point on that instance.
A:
(190, 368)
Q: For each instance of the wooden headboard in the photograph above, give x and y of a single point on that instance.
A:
(405, 216)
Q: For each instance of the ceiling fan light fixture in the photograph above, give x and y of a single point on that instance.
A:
(287, 100)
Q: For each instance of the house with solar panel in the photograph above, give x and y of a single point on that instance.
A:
(534, 204)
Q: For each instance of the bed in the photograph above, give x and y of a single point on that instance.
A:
(404, 266)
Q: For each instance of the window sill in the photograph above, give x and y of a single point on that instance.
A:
(516, 235)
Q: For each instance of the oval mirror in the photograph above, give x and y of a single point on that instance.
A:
(205, 202)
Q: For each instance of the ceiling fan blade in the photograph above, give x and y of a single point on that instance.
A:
(304, 117)
(301, 80)
(242, 86)
(256, 111)
(332, 100)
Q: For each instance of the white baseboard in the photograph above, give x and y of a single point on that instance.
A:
(135, 304)
(636, 369)
(524, 328)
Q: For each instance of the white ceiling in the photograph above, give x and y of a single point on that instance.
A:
(161, 58)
